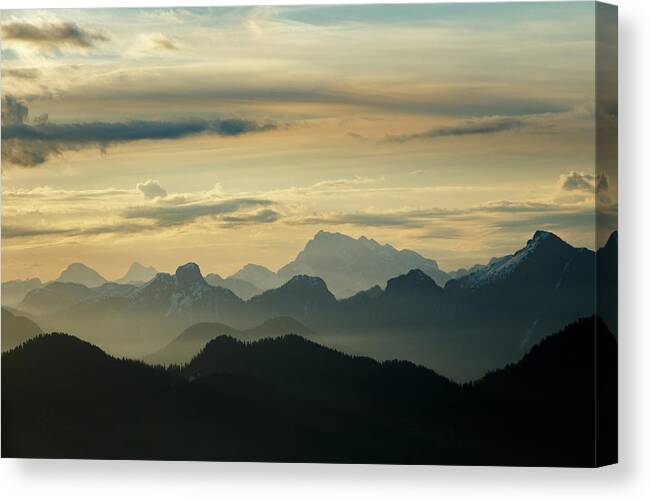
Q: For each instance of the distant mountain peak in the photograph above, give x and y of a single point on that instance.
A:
(259, 276)
(138, 273)
(543, 247)
(542, 234)
(255, 267)
(413, 281)
(350, 265)
(189, 274)
(79, 273)
(305, 281)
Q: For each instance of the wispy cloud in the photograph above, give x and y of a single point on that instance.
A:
(480, 126)
(51, 35)
(21, 73)
(166, 215)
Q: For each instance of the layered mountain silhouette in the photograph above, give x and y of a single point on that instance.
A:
(14, 291)
(79, 273)
(192, 340)
(349, 266)
(138, 274)
(16, 330)
(241, 288)
(259, 276)
(475, 323)
(290, 399)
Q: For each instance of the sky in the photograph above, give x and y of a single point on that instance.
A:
(226, 136)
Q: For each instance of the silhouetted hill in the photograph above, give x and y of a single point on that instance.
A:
(551, 394)
(278, 326)
(189, 343)
(349, 266)
(289, 399)
(607, 282)
(16, 330)
(63, 398)
(310, 371)
(14, 291)
(192, 340)
(78, 273)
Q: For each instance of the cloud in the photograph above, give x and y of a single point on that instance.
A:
(480, 126)
(10, 231)
(167, 215)
(519, 206)
(261, 216)
(421, 218)
(151, 189)
(51, 35)
(580, 181)
(28, 145)
(401, 218)
(346, 183)
(162, 42)
(13, 111)
(21, 73)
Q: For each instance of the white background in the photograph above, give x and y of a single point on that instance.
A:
(629, 480)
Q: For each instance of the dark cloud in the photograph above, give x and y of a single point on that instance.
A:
(174, 215)
(21, 73)
(151, 189)
(29, 145)
(580, 181)
(261, 216)
(483, 126)
(51, 34)
(10, 231)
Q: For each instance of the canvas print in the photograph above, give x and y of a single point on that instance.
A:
(332, 233)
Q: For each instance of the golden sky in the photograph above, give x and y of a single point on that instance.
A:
(232, 135)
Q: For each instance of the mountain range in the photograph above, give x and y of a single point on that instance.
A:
(290, 399)
(473, 324)
(347, 265)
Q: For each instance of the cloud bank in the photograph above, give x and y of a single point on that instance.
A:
(29, 145)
